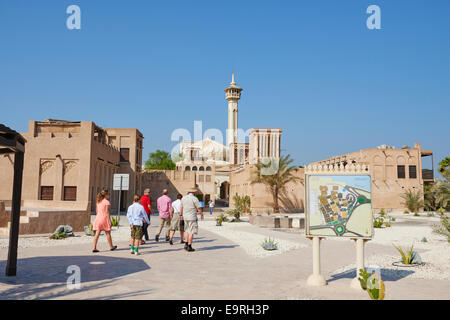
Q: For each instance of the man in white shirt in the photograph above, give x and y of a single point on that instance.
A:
(177, 223)
(190, 206)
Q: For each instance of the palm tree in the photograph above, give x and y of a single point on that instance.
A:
(275, 178)
(413, 200)
(442, 189)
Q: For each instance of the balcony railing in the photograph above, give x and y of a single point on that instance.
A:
(427, 174)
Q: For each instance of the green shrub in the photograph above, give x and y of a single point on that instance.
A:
(416, 214)
(382, 213)
(378, 223)
(58, 236)
(114, 221)
(441, 210)
(406, 212)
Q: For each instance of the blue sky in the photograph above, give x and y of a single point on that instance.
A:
(310, 67)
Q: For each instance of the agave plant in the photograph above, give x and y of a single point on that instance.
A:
(407, 255)
(269, 244)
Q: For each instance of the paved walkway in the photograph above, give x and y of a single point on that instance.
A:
(219, 269)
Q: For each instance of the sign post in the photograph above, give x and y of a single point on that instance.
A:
(338, 204)
(121, 183)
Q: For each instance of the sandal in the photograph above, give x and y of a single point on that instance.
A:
(113, 248)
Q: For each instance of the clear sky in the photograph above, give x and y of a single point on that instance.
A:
(312, 68)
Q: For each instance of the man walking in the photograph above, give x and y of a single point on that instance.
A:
(147, 204)
(164, 203)
(190, 206)
(136, 216)
(176, 222)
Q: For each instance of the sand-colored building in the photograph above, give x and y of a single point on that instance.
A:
(393, 171)
(66, 164)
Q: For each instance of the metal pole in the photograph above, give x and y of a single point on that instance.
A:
(11, 264)
(118, 208)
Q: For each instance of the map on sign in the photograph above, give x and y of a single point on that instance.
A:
(339, 205)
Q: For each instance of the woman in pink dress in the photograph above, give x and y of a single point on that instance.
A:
(103, 220)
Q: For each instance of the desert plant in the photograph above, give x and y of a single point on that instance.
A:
(114, 221)
(372, 284)
(407, 255)
(269, 244)
(416, 214)
(441, 211)
(58, 236)
(382, 213)
(443, 228)
(242, 203)
(406, 212)
(236, 214)
(413, 200)
(378, 223)
(387, 224)
(275, 176)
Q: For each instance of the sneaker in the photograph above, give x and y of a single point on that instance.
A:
(182, 241)
(171, 242)
(132, 251)
(167, 238)
(186, 246)
(190, 249)
(156, 238)
(95, 251)
(137, 253)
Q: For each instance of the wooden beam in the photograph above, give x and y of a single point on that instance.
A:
(11, 265)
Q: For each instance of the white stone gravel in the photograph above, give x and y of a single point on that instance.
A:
(435, 253)
(249, 241)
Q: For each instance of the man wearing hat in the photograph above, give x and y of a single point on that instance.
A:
(190, 207)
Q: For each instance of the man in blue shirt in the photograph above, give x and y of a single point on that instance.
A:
(136, 216)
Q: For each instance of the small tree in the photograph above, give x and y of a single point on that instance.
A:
(159, 160)
(413, 200)
(275, 177)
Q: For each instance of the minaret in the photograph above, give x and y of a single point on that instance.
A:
(233, 94)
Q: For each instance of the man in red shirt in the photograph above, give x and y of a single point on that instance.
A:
(147, 204)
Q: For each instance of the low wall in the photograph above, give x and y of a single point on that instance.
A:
(277, 222)
(48, 221)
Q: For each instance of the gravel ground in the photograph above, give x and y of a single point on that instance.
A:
(249, 241)
(435, 253)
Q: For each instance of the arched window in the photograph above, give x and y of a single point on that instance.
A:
(187, 168)
(208, 168)
(194, 168)
(201, 168)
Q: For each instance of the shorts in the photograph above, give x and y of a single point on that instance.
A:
(136, 232)
(191, 226)
(176, 224)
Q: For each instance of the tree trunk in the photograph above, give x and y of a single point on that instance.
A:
(276, 208)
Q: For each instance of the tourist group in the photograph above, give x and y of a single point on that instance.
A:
(179, 215)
